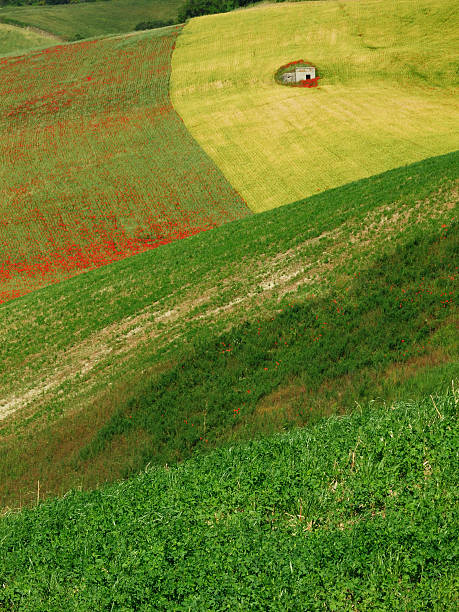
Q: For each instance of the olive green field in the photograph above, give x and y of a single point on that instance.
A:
(87, 19)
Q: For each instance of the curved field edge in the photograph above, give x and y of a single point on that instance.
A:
(386, 96)
(115, 330)
(97, 164)
(355, 512)
(89, 19)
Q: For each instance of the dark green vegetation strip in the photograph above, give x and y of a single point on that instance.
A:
(387, 315)
(194, 8)
(112, 331)
(356, 513)
(87, 19)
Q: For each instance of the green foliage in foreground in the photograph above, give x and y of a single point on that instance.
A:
(88, 19)
(357, 512)
(387, 315)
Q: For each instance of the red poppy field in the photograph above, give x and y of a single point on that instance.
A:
(96, 164)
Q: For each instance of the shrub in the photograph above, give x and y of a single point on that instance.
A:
(154, 23)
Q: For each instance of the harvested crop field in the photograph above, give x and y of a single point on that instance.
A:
(386, 94)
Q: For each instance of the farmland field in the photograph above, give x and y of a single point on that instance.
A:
(74, 355)
(87, 19)
(386, 96)
(257, 417)
(96, 164)
(17, 39)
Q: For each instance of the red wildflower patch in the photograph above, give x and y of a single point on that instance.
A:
(96, 164)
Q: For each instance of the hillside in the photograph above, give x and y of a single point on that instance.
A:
(387, 95)
(258, 417)
(370, 269)
(15, 39)
(89, 19)
(353, 513)
(97, 165)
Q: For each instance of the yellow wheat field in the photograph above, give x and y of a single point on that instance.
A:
(386, 96)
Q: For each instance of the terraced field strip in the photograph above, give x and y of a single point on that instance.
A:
(96, 164)
(386, 96)
(15, 39)
(87, 19)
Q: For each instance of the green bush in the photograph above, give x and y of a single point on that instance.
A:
(195, 8)
(153, 23)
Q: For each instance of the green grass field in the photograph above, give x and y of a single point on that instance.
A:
(387, 94)
(89, 19)
(355, 513)
(74, 355)
(17, 40)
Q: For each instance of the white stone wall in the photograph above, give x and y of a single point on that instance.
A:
(289, 77)
(301, 73)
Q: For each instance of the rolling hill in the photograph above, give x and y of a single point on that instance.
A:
(351, 261)
(97, 164)
(260, 416)
(387, 94)
(15, 39)
(89, 19)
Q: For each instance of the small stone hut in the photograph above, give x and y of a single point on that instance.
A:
(298, 74)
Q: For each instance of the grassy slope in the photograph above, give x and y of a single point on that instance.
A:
(92, 18)
(386, 96)
(355, 513)
(114, 330)
(14, 39)
(97, 165)
(335, 351)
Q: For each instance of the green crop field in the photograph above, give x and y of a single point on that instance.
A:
(262, 416)
(88, 19)
(73, 355)
(386, 96)
(14, 39)
(355, 513)
(96, 164)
